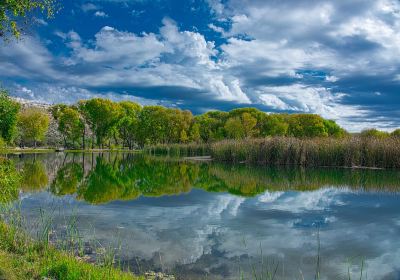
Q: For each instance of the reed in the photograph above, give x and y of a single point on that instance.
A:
(346, 152)
(355, 151)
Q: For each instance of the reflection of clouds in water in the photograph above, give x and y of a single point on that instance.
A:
(297, 202)
(184, 228)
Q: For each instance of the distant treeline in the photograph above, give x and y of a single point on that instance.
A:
(101, 123)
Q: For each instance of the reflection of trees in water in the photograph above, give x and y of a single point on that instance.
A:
(99, 178)
(68, 179)
(34, 176)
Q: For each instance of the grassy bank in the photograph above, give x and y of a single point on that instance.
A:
(23, 258)
(344, 152)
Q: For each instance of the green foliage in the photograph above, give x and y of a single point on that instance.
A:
(8, 116)
(33, 124)
(374, 133)
(274, 125)
(395, 133)
(70, 124)
(333, 129)
(14, 14)
(212, 125)
(234, 128)
(102, 115)
(307, 125)
(9, 181)
(128, 123)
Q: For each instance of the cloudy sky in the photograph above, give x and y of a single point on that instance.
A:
(337, 58)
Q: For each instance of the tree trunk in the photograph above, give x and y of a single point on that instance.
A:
(83, 138)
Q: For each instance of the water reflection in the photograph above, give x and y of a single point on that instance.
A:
(216, 221)
(101, 178)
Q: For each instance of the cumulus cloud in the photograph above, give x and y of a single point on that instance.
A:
(328, 58)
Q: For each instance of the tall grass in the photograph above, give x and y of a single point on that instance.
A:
(191, 149)
(346, 152)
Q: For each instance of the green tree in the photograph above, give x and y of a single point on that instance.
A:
(153, 126)
(234, 128)
(15, 14)
(33, 124)
(395, 133)
(212, 125)
(306, 125)
(194, 132)
(333, 129)
(102, 115)
(374, 133)
(128, 123)
(8, 116)
(70, 125)
(274, 125)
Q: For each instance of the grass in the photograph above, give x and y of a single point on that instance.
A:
(352, 151)
(24, 258)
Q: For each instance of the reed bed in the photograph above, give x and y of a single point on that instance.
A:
(191, 149)
(344, 152)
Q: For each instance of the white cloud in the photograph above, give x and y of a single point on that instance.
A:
(87, 7)
(100, 14)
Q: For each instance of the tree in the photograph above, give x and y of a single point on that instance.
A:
(306, 125)
(70, 124)
(274, 125)
(212, 125)
(194, 132)
(249, 123)
(333, 129)
(14, 14)
(153, 126)
(8, 116)
(33, 124)
(395, 133)
(102, 115)
(374, 133)
(128, 122)
(234, 128)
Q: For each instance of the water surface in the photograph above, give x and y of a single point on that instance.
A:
(216, 221)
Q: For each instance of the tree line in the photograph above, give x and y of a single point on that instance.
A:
(101, 123)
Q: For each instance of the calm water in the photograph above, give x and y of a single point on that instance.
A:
(214, 221)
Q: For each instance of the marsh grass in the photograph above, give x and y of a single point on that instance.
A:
(352, 151)
(22, 257)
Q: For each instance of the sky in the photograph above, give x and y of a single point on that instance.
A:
(336, 58)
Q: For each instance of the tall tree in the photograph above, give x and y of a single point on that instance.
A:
(33, 124)
(128, 123)
(307, 125)
(274, 125)
(8, 116)
(70, 125)
(102, 115)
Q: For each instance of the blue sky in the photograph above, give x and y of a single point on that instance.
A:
(336, 58)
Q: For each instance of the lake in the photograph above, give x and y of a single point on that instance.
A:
(206, 220)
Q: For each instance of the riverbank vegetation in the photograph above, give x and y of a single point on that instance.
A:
(355, 151)
(241, 135)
